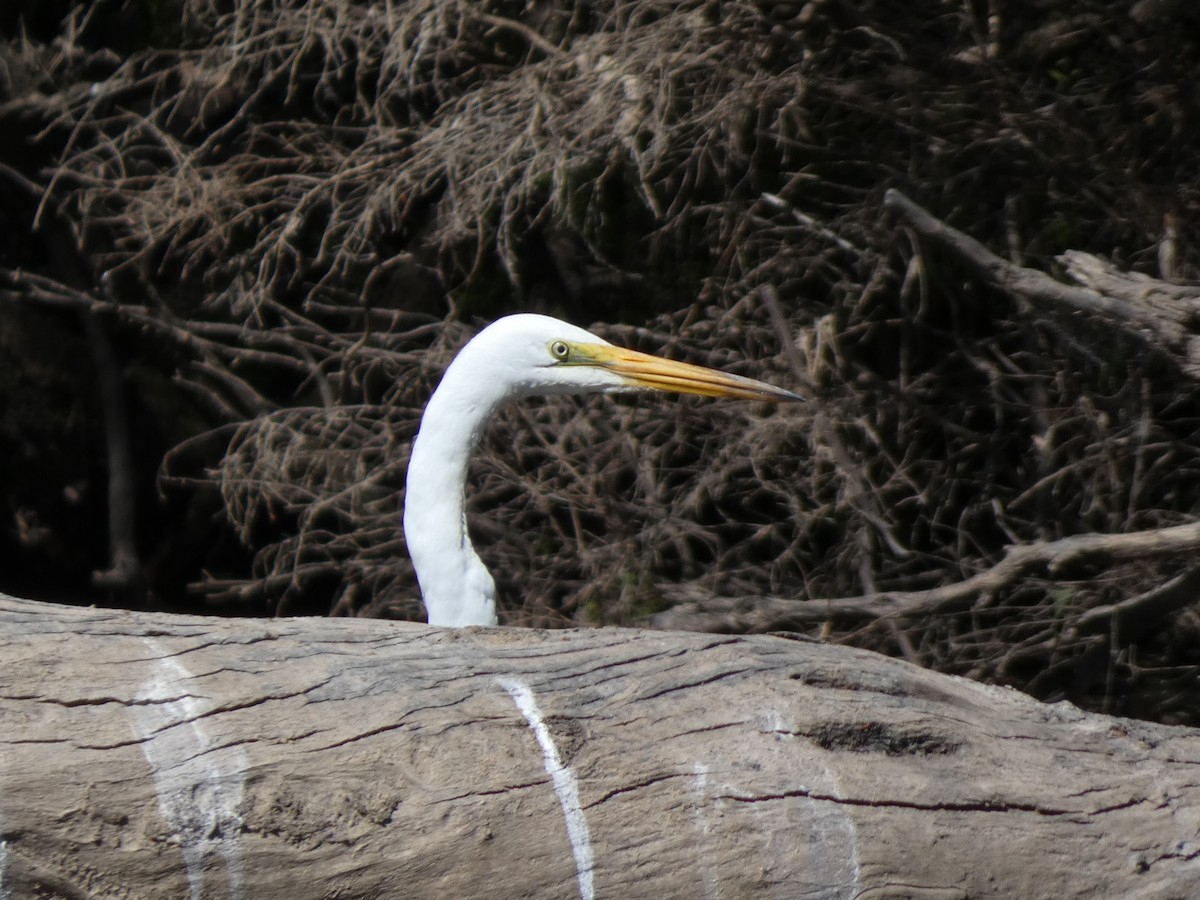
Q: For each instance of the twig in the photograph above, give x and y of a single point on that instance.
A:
(534, 39)
(777, 202)
(1139, 614)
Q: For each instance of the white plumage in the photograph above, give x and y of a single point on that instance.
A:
(517, 356)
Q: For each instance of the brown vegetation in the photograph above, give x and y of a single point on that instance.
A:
(286, 217)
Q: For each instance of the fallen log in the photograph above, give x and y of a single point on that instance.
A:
(150, 755)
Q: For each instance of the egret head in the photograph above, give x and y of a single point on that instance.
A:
(517, 356)
(540, 355)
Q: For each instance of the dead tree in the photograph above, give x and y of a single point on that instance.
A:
(148, 755)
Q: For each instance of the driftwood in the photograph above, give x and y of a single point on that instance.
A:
(147, 755)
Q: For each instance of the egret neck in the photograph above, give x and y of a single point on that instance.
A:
(456, 586)
(517, 356)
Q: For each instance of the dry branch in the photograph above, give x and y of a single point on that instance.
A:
(148, 755)
(1157, 313)
(1165, 301)
(1050, 558)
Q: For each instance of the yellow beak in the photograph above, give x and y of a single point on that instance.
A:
(656, 373)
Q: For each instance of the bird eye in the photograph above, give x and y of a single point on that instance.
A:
(559, 350)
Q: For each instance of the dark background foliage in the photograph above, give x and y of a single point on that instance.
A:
(242, 239)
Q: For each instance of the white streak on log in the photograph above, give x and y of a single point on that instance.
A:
(199, 784)
(3, 859)
(712, 886)
(826, 863)
(849, 842)
(563, 779)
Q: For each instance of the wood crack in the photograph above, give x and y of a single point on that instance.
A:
(720, 676)
(973, 806)
(644, 783)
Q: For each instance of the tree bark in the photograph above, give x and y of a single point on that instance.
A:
(147, 755)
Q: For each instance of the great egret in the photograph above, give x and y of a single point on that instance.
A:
(517, 356)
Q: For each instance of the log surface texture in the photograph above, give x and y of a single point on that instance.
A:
(148, 755)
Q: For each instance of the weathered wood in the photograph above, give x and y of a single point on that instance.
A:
(146, 755)
(1167, 301)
